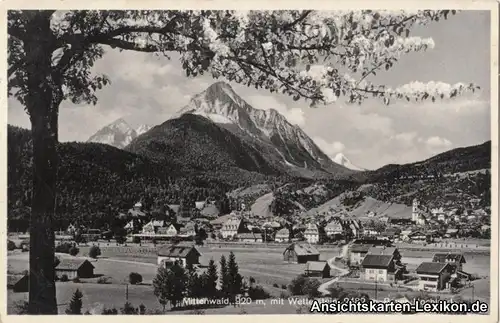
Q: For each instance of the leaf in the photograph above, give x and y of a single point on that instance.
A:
(308, 67)
(407, 32)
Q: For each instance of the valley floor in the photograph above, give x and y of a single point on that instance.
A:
(265, 265)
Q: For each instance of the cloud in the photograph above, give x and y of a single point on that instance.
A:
(295, 116)
(329, 148)
(437, 142)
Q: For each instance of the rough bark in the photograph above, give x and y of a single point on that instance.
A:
(43, 111)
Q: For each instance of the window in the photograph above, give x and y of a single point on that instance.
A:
(380, 271)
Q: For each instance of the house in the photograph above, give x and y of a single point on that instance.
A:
(149, 228)
(455, 259)
(75, 268)
(392, 251)
(451, 233)
(334, 228)
(171, 230)
(391, 233)
(433, 276)
(185, 255)
(249, 237)
(189, 230)
(136, 210)
(357, 253)
(232, 227)
(379, 267)
(300, 253)
(421, 220)
(282, 235)
(18, 283)
(442, 217)
(312, 233)
(200, 205)
(317, 269)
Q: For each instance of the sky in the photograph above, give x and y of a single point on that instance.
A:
(147, 89)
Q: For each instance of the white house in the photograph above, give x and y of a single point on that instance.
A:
(433, 276)
(232, 228)
(334, 228)
(312, 233)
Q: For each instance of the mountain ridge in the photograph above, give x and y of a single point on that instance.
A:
(266, 129)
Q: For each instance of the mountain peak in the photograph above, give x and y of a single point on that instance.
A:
(341, 159)
(264, 128)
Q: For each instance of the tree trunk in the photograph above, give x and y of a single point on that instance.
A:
(43, 111)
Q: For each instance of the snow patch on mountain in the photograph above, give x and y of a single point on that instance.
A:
(118, 134)
(341, 159)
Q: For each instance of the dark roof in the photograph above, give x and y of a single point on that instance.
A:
(431, 268)
(302, 249)
(316, 265)
(360, 248)
(176, 251)
(14, 279)
(72, 263)
(442, 257)
(376, 261)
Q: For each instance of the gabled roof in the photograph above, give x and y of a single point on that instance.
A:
(316, 265)
(136, 213)
(178, 251)
(14, 279)
(72, 263)
(302, 249)
(452, 256)
(382, 251)
(433, 268)
(376, 261)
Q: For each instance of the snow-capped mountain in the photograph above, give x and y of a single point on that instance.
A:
(268, 129)
(142, 129)
(341, 159)
(118, 133)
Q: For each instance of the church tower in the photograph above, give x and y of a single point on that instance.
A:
(415, 209)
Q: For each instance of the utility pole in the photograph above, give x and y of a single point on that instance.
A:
(126, 293)
(376, 288)
(473, 292)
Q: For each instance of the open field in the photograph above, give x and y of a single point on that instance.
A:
(265, 265)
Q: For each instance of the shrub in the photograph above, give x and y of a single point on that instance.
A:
(76, 280)
(284, 295)
(276, 285)
(251, 280)
(21, 307)
(74, 250)
(197, 311)
(64, 278)
(64, 247)
(311, 288)
(11, 245)
(258, 292)
(128, 309)
(136, 240)
(283, 286)
(296, 287)
(94, 252)
(142, 309)
(103, 280)
(135, 278)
